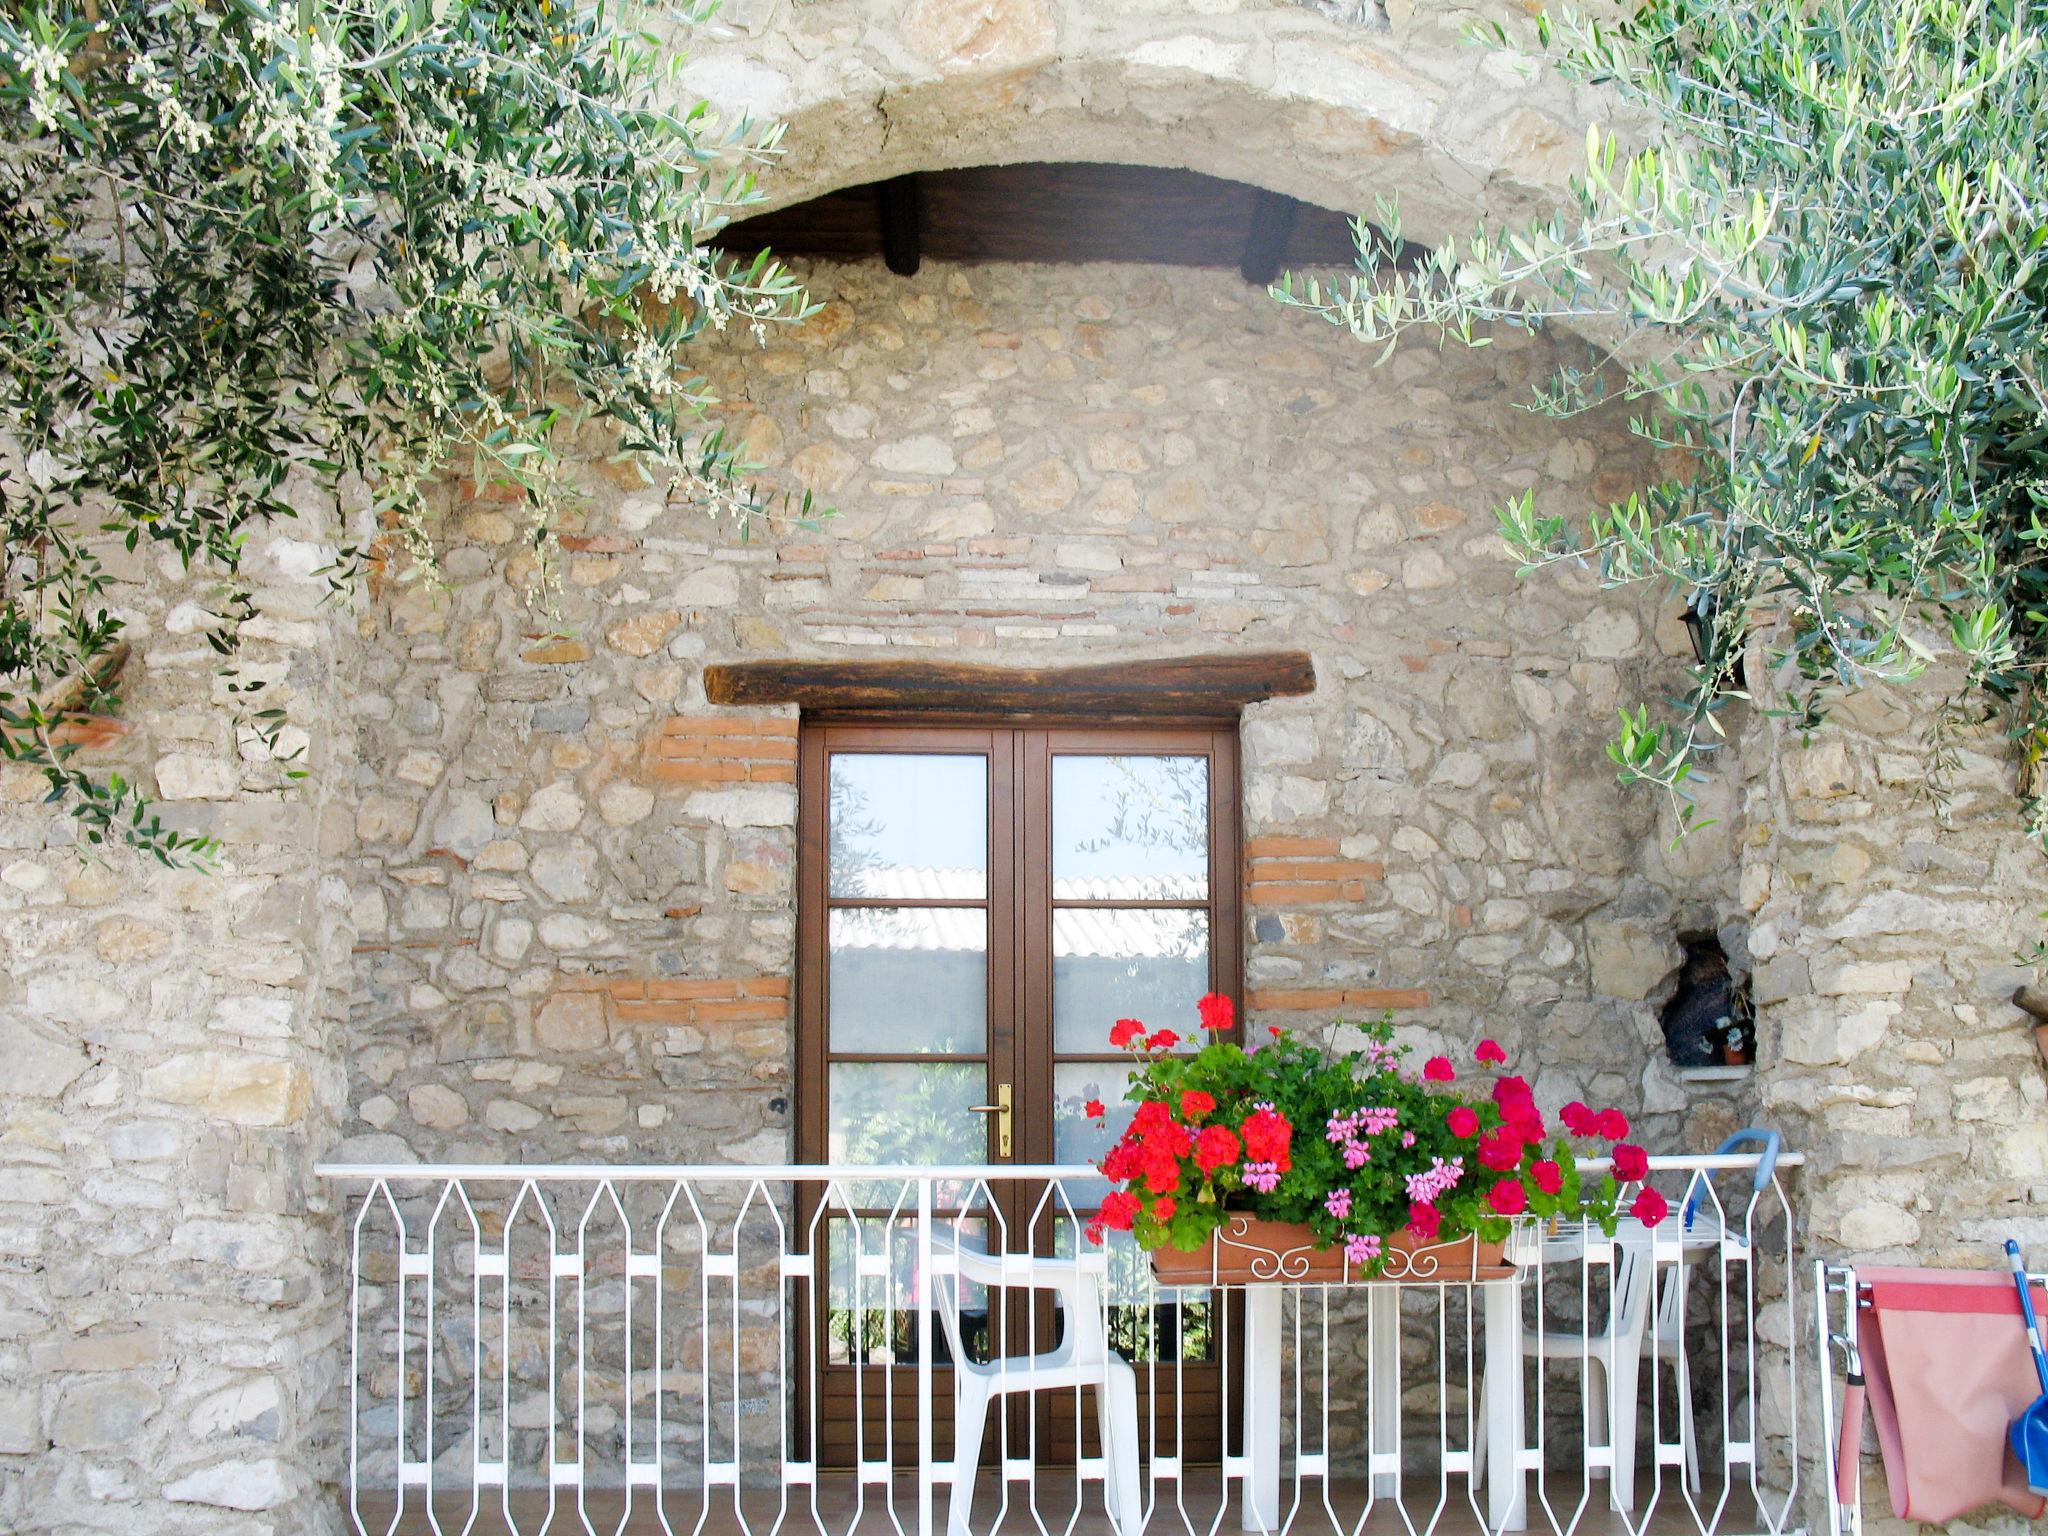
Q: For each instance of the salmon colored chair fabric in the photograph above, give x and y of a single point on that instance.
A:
(1945, 1356)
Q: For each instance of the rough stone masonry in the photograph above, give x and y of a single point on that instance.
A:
(533, 898)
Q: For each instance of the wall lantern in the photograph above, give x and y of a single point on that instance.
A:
(1696, 624)
(1698, 618)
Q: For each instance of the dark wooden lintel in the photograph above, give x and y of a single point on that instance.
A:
(1168, 687)
(902, 208)
(1265, 247)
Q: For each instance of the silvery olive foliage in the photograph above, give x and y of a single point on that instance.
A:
(264, 261)
(1814, 263)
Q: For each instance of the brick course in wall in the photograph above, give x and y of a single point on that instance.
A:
(723, 749)
(1305, 872)
(638, 1000)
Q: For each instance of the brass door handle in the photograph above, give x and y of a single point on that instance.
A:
(1001, 1110)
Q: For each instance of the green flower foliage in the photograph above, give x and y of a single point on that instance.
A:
(1815, 255)
(264, 261)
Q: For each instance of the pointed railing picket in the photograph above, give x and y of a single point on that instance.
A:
(755, 1350)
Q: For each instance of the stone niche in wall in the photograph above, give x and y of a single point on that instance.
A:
(1708, 1021)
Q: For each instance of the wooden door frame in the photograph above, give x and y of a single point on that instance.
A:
(1019, 752)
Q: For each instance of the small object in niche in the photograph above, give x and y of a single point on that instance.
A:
(1708, 1022)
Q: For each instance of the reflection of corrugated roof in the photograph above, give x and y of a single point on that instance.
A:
(1078, 933)
(901, 884)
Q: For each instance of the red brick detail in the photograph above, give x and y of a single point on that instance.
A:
(1304, 872)
(723, 749)
(1324, 999)
(723, 1000)
(1290, 847)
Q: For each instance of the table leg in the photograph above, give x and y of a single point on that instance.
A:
(1507, 1501)
(1385, 1320)
(1262, 1347)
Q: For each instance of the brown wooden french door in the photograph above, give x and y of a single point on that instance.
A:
(977, 906)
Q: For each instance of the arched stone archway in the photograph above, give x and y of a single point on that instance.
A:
(1278, 96)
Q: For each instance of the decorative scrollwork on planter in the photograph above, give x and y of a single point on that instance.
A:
(1266, 1263)
(1247, 1250)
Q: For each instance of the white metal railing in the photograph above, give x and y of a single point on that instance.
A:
(595, 1348)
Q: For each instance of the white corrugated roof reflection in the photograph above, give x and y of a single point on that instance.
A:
(1135, 933)
(900, 884)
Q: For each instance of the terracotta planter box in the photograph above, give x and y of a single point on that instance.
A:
(1246, 1250)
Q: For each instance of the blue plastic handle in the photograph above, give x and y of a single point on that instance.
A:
(1766, 1165)
(2019, 1270)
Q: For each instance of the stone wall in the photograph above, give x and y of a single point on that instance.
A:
(574, 880)
(169, 1279)
(1892, 895)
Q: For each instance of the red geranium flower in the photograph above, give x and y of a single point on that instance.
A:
(1548, 1176)
(1513, 1090)
(1124, 1031)
(1171, 1140)
(1630, 1163)
(1162, 1170)
(1119, 1210)
(1578, 1119)
(1093, 1231)
(1194, 1103)
(1490, 1053)
(1215, 1147)
(1163, 1208)
(1612, 1125)
(1650, 1207)
(1463, 1121)
(1122, 1161)
(1438, 1069)
(1500, 1150)
(1151, 1116)
(1093, 1109)
(1424, 1220)
(1216, 1012)
(1508, 1198)
(1266, 1137)
(1162, 1040)
(1525, 1121)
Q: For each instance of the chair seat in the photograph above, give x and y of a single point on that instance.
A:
(1038, 1373)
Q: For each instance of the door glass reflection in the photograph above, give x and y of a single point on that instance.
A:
(907, 824)
(1130, 828)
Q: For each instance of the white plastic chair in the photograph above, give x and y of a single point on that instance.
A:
(1617, 1351)
(1082, 1358)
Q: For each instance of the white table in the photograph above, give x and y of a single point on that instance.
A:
(1265, 1343)
(1507, 1499)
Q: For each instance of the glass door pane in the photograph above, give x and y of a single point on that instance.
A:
(907, 979)
(1126, 963)
(1130, 828)
(906, 824)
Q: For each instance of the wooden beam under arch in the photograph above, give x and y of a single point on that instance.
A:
(1165, 687)
(901, 203)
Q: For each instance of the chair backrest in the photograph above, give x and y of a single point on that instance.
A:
(1634, 1264)
(1076, 1292)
